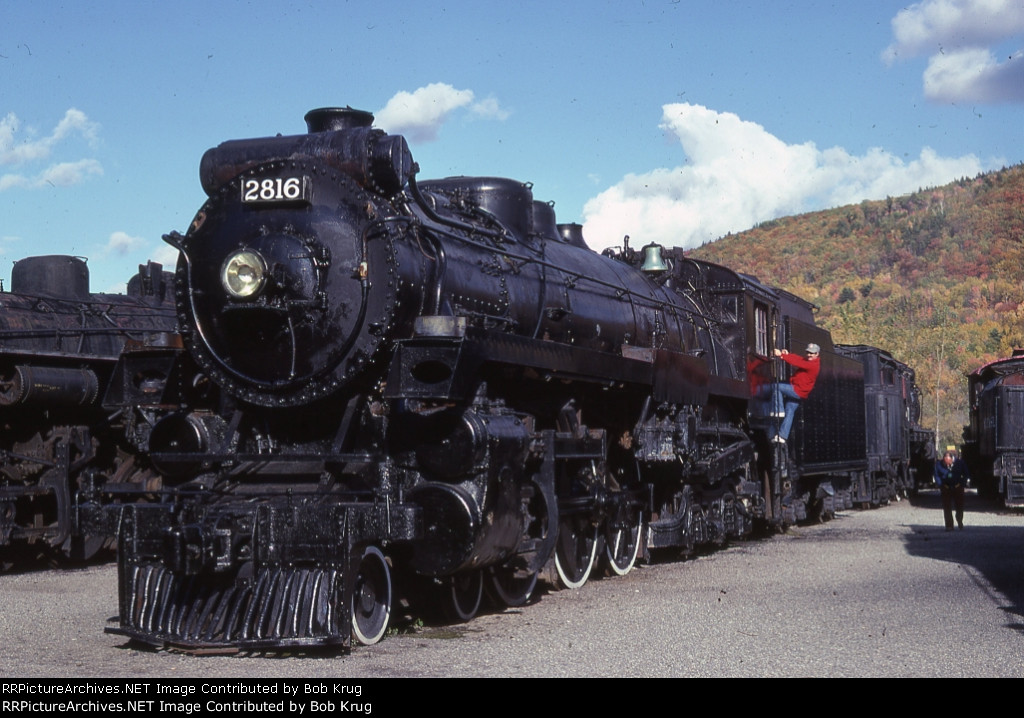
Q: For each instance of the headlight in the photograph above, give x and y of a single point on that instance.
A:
(244, 274)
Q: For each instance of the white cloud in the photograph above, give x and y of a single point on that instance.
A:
(8, 127)
(122, 243)
(489, 108)
(959, 37)
(75, 122)
(420, 114)
(166, 255)
(10, 181)
(66, 174)
(62, 174)
(13, 152)
(736, 174)
(974, 75)
(34, 149)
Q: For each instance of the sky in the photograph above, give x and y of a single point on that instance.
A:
(671, 121)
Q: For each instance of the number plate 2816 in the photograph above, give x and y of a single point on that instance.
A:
(275, 189)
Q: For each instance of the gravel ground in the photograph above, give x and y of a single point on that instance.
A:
(885, 592)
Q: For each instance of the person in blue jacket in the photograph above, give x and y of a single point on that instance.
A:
(952, 477)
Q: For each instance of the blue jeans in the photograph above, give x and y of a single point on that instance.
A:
(785, 400)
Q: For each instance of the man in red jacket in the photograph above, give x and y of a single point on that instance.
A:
(787, 397)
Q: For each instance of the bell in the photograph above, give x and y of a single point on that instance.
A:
(653, 261)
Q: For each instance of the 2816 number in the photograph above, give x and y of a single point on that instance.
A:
(274, 189)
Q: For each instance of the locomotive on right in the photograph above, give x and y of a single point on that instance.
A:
(994, 438)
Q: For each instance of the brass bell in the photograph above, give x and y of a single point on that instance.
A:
(653, 261)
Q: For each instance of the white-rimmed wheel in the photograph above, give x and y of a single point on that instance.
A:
(575, 551)
(461, 596)
(509, 588)
(622, 539)
(371, 598)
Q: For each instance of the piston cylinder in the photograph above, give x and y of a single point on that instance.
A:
(49, 386)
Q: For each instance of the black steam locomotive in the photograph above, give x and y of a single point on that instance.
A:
(393, 387)
(59, 344)
(994, 438)
(900, 452)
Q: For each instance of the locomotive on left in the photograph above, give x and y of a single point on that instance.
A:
(59, 343)
(425, 388)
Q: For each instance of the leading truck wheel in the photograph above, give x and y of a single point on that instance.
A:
(371, 598)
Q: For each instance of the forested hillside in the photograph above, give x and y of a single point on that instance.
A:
(935, 277)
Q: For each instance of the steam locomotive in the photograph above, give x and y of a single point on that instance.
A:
(393, 388)
(900, 452)
(994, 438)
(59, 344)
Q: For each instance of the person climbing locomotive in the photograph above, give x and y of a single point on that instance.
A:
(786, 397)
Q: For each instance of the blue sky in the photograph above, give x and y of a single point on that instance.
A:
(675, 121)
